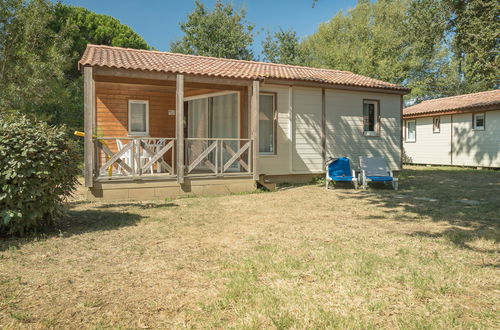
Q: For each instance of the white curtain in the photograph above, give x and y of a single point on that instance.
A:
(225, 116)
(225, 122)
(197, 128)
(198, 118)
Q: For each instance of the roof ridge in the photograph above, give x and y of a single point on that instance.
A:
(472, 101)
(457, 96)
(221, 58)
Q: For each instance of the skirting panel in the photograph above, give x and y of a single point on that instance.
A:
(146, 190)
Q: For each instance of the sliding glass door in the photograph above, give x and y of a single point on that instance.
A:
(213, 117)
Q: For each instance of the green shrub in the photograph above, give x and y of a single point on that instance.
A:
(38, 170)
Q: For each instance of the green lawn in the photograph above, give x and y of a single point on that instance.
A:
(301, 257)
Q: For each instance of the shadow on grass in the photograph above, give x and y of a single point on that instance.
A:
(340, 186)
(138, 205)
(438, 194)
(461, 237)
(76, 222)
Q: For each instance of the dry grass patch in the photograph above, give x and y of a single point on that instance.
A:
(297, 258)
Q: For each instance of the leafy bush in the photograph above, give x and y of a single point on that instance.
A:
(38, 170)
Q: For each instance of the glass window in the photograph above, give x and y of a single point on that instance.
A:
(370, 118)
(138, 117)
(410, 131)
(266, 124)
(436, 124)
(478, 121)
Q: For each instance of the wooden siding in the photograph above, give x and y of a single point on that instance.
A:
(344, 127)
(429, 147)
(474, 147)
(278, 163)
(301, 146)
(299, 126)
(112, 107)
(306, 132)
(457, 143)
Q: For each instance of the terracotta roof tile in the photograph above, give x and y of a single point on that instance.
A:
(466, 102)
(126, 58)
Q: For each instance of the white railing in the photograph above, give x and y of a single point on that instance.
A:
(219, 157)
(127, 157)
(122, 157)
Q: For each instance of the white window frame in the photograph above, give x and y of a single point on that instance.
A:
(474, 116)
(415, 132)
(376, 131)
(275, 112)
(130, 102)
(436, 128)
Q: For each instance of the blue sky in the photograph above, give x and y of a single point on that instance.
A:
(157, 21)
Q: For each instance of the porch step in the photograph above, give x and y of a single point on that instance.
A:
(271, 186)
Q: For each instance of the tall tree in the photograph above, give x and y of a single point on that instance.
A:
(400, 41)
(81, 26)
(475, 25)
(40, 44)
(432, 70)
(436, 47)
(223, 32)
(283, 47)
(84, 26)
(32, 56)
(367, 40)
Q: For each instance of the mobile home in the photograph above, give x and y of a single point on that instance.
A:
(462, 130)
(161, 124)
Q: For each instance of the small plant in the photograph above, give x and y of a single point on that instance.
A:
(38, 170)
(21, 317)
(318, 180)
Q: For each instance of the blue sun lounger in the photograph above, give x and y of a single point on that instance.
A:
(339, 169)
(374, 169)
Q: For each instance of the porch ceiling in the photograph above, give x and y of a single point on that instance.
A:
(190, 88)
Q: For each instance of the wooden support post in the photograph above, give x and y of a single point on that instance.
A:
(89, 118)
(401, 130)
(323, 126)
(248, 112)
(179, 126)
(255, 127)
(290, 129)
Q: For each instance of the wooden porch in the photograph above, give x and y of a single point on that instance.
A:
(155, 158)
(166, 152)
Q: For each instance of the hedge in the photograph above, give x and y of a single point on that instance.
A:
(38, 170)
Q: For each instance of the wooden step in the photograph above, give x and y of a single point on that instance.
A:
(271, 186)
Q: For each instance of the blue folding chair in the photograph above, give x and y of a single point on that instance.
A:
(339, 169)
(375, 169)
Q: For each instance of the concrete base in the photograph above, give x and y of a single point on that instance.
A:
(293, 178)
(161, 189)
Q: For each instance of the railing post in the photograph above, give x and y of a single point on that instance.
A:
(218, 155)
(250, 156)
(179, 127)
(134, 159)
(173, 159)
